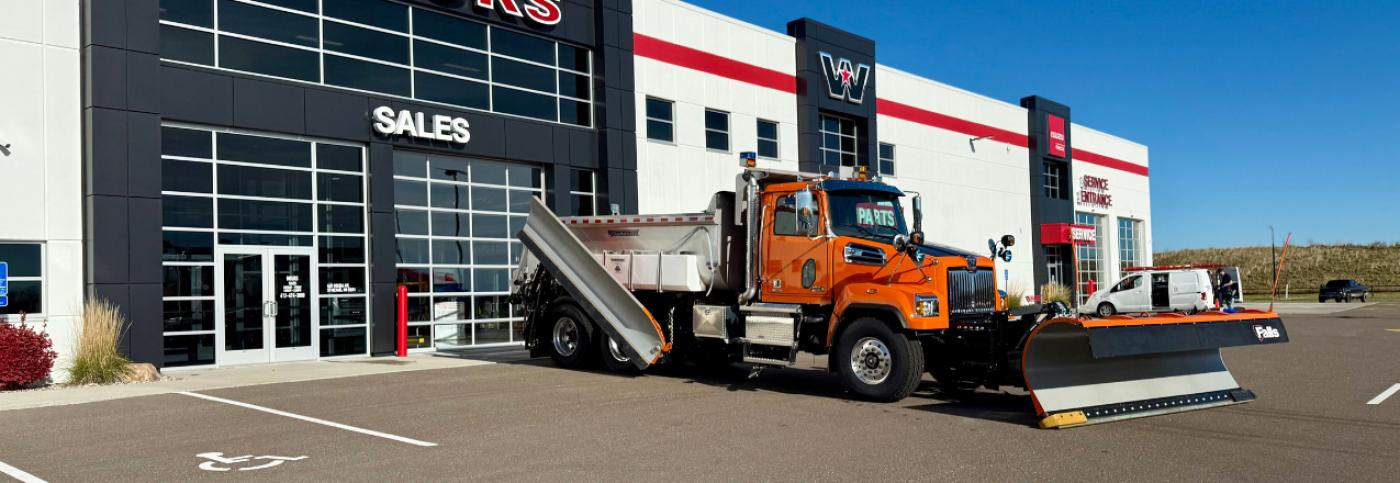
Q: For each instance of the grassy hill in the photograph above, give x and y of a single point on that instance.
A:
(1307, 267)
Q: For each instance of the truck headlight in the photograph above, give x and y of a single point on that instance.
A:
(925, 305)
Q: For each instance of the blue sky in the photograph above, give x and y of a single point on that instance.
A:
(1255, 113)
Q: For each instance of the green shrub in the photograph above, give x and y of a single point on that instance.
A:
(96, 359)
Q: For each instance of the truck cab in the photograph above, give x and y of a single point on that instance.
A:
(846, 244)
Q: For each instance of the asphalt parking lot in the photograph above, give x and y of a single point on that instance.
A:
(530, 421)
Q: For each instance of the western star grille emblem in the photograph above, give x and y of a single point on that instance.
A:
(972, 263)
(845, 80)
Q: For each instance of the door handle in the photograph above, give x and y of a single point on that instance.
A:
(270, 309)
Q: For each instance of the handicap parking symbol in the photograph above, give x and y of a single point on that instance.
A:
(218, 462)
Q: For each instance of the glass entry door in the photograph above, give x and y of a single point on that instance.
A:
(266, 305)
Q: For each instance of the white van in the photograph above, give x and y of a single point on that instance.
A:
(1183, 290)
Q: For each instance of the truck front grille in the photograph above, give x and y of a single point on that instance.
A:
(972, 292)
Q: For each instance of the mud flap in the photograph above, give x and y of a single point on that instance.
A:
(1094, 371)
(617, 312)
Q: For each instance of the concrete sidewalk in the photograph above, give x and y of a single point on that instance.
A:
(176, 380)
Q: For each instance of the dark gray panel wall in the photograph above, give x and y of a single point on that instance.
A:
(1048, 210)
(121, 160)
(813, 96)
(128, 92)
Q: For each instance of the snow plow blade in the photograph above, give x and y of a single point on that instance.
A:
(608, 303)
(1089, 371)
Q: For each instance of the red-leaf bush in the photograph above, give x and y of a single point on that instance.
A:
(26, 356)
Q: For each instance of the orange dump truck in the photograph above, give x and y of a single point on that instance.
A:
(788, 263)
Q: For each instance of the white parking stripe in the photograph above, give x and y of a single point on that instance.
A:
(19, 474)
(1380, 398)
(309, 419)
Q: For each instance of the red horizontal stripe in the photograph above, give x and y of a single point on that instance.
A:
(676, 54)
(1105, 161)
(944, 121)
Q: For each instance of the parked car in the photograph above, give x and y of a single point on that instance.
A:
(1181, 290)
(1343, 291)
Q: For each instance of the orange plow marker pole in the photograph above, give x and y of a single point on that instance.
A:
(1279, 274)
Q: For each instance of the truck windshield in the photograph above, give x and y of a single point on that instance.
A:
(871, 215)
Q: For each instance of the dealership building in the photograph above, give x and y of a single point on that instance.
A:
(251, 180)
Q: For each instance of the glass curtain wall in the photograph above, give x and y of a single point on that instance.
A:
(456, 221)
(1129, 243)
(388, 48)
(1090, 257)
(223, 187)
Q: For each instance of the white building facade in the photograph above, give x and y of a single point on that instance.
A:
(710, 87)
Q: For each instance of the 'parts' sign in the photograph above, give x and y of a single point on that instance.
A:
(543, 12)
(1055, 134)
(845, 80)
(1093, 191)
(416, 124)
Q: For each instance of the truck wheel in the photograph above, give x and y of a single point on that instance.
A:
(1347, 298)
(877, 363)
(1363, 298)
(568, 337)
(615, 358)
(1106, 309)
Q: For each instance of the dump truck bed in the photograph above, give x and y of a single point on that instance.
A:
(607, 302)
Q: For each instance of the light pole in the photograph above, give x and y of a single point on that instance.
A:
(1273, 255)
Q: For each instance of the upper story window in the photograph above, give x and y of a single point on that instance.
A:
(767, 138)
(716, 130)
(886, 166)
(661, 125)
(385, 47)
(26, 277)
(1053, 181)
(1129, 243)
(840, 140)
(583, 187)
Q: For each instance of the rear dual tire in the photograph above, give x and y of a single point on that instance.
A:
(876, 363)
(569, 340)
(614, 358)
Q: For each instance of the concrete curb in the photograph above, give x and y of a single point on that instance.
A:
(176, 380)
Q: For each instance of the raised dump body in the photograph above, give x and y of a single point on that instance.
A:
(573, 267)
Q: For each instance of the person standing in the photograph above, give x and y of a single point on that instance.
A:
(1226, 293)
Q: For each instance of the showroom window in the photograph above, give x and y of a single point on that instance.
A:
(767, 139)
(716, 130)
(1129, 243)
(661, 120)
(839, 142)
(1091, 263)
(26, 277)
(886, 166)
(385, 47)
(456, 221)
(248, 189)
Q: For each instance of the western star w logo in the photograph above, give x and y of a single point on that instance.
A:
(845, 80)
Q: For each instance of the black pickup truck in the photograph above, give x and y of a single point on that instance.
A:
(1343, 291)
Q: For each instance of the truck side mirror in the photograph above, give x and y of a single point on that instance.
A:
(918, 213)
(806, 212)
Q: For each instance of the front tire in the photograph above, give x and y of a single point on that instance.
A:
(1363, 298)
(877, 363)
(568, 337)
(615, 358)
(1106, 309)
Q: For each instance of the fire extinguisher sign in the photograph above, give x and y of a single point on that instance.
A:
(4, 284)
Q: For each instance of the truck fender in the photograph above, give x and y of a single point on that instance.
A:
(864, 299)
